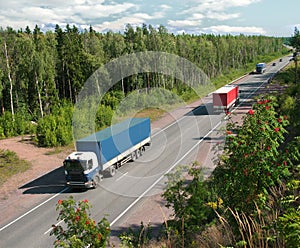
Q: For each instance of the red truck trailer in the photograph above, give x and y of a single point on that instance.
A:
(225, 97)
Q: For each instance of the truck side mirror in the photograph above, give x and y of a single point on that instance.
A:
(90, 164)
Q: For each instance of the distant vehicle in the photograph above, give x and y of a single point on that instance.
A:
(274, 64)
(260, 68)
(225, 97)
(106, 150)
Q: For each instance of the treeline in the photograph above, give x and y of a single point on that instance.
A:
(40, 72)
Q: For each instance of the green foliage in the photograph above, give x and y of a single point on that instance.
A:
(139, 238)
(287, 105)
(103, 117)
(11, 165)
(295, 40)
(289, 221)
(252, 162)
(56, 129)
(189, 200)
(79, 229)
(7, 124)
(19, 125)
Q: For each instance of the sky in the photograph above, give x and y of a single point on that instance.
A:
(249, 17)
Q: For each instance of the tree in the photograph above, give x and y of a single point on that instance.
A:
(252, 161)
(189, 202)
(81, 230)
(295, 42)
(8, 43)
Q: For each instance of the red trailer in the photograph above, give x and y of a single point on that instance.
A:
(225, 97)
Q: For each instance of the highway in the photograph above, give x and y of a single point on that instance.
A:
(174, 145)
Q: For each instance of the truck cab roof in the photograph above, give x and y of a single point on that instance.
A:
(225, 89)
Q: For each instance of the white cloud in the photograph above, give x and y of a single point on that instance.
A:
(99, 10)
(221, 16)
(165, 6)
(216, 9)
(197, 16)
(119, 24)
(218, 5)
(19, 14)
(184, 23)
(234, 30)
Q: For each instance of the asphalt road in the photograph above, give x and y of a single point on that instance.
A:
(117, 195)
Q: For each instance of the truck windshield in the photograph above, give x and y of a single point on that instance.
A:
(75, 165)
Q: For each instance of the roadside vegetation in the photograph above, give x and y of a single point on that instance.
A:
(10, 165)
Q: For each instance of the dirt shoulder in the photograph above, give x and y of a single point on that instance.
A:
(13, 201)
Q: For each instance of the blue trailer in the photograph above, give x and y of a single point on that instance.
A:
(106, 151)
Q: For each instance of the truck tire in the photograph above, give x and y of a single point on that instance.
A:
(112, 171)
(96, 181)
(138, 153)
(133, 156)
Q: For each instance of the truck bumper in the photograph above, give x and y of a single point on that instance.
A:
(84, 185)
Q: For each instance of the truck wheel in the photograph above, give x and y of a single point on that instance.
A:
(138, 153)
(112, 171)
(133, 156)
(96, 180)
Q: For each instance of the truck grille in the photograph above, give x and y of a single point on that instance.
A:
(77, 177)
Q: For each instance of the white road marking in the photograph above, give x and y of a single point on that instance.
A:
(173, 123)
(50, 229)
(36, 207)
(122, 176)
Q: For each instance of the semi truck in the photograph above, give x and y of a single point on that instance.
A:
(225, 97)
(105, 151)
(260, 68)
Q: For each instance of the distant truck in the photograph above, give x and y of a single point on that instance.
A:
(225, 97)
(260, 68)
(106, 151)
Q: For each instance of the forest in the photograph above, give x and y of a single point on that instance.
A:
(41, 74)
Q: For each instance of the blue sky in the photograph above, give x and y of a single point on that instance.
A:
(249, 17)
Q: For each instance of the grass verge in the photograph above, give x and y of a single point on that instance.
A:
(10, 165)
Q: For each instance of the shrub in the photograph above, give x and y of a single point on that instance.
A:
(80, 229)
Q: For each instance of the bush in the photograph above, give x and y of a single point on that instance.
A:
(191, 202)
(79, 230)
(55, 129)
